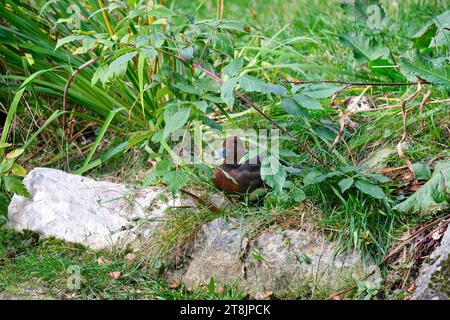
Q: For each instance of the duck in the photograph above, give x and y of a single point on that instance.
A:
(233, 177)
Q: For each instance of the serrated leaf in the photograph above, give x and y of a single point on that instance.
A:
(175, 180)
(419, 67)
(273, 173)
(233, 68)
(313, 177)
(363, 48)
(320, 90)
(178, 120)
(16, 186)
(292, 107)
(253, 84)
(307, 102)
(227, 91)
(370, 189)
(345, 184)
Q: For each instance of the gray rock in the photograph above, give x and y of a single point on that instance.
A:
(279, 262)
(433, 282)
(77, 209)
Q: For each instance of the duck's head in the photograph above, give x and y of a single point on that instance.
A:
(232, 152)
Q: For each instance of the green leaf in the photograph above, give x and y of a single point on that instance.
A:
(176, 122)
(150, 53)
(120, 65)
(298, 194)
(370, 189)
(18, 170)
(175, 180)
(252, 84)
(187, 53)
(307, 102)
(68, 39)
(313, 177)
(432, 197)
(5, 145)
(3, 204)
(273, 173)
(16, 186)
(6, 165)
(320, 90)
(345, 184)
(201, 105)
(363, 49)
(292, 107)
(422, 171)
(382, 67)
(418, 66)
(227, 91)
(232, 69)
(423, 38)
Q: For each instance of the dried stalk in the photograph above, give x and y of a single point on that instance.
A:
(69, 81)
(405, 131)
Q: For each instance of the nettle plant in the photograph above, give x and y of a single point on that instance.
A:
(176, 70)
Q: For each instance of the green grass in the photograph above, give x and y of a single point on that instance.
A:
(297, 39)
(46, 264)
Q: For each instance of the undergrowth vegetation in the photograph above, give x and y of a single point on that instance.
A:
(359, 92)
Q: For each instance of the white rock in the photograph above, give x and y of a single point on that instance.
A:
(77, 209)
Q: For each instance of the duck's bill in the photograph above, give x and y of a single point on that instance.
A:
(221, 154)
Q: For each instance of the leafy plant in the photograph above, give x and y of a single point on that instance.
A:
(349, 179)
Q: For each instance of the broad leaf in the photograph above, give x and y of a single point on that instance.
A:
(370, 189)
(273, 173)
(175, 180)
(313, 177)
(16, 186)
(320, 90)
(307, 102)
(227, 91)
(422, 171)
(345, 184)
(120, 65)
(363, 48)
(176, 122)
(432, 196)
(232, 69)
(419, 67)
